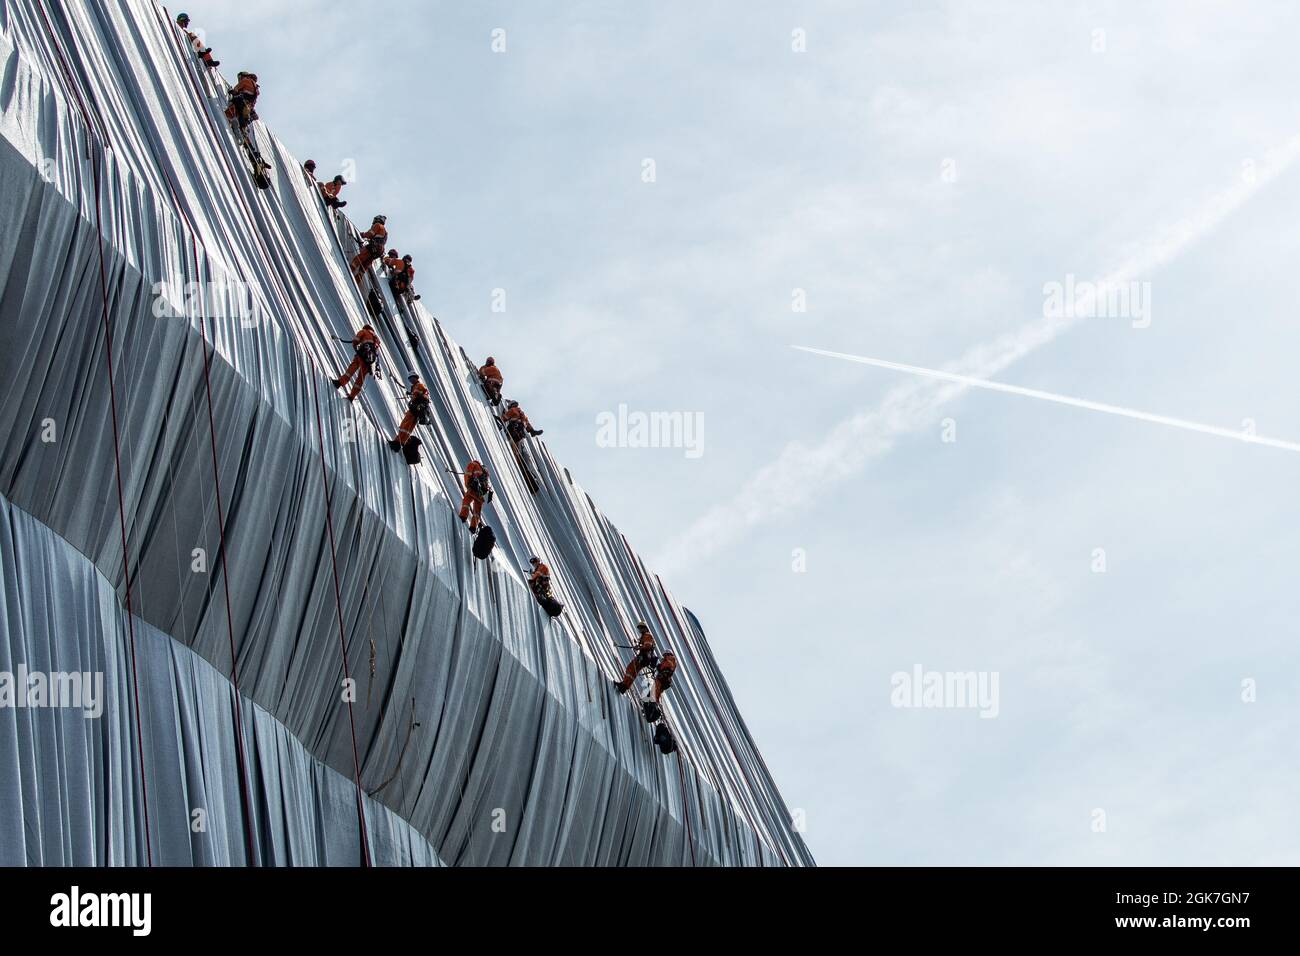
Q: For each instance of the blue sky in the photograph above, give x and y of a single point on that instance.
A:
(920, 173)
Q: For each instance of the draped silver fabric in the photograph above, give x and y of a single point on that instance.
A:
(264, 512)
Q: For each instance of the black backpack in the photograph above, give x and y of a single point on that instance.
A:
(551, 606)
(411, 450)
(423, 410)
(650, 710)
(664, 739)
(485, 542)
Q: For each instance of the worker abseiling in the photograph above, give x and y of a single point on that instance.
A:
(365, 345)
(204, 52)
(330, 191)
(664, 672)
(517, 423)
(478, 490)
(373, 241)
(243, 99)
(539, 582)
(540, 578)
(646, 658)
(400, 274)
(489, 375)
(418, 410)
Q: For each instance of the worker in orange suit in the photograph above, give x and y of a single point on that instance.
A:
(540, 579)
(477, 490)
(492, 380)
(417, 407)
(517, 422)
(366, 346)
(330, 190)
(664, 672)
(243, 99)
(400, 273)
(645, 657)
(373, 241)
(204, 52)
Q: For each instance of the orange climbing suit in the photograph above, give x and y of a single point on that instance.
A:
(664, 676)
(404, 430)
(375, 239)
(359, 366)
(199, 48)
(245, 87)
(403, 272)
(644, 655)
(471, 506)
(516, 414)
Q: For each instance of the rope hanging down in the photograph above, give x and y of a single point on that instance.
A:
(117, 448)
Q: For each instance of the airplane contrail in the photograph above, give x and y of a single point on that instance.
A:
(781, 486)
(1236, 435)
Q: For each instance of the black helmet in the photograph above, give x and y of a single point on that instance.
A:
(182, 18)
(310, 164)
(380, 219)
(534, 560)
(406, 258)
(392, 253)
(413, 377)
(512, 404)
(490, 361)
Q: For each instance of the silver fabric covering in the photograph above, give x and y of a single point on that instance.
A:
(263, 512)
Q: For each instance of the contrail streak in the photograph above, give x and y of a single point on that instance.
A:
(781, 486)
(1183, 423)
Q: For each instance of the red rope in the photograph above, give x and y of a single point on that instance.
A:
(241, 756)
(338, 607)
(121, 513)
(245, 794)
(690, 839)
(112, 397)
(333, 554)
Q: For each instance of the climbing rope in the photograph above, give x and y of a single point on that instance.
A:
(112, 396)
(338, 606)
